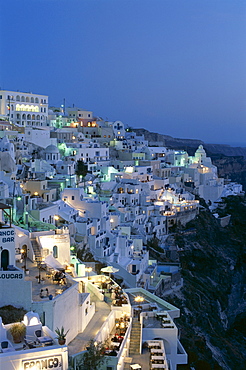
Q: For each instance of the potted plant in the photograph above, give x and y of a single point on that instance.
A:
(18, 331)
(61, 335)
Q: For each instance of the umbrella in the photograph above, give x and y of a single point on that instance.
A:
(109, 269)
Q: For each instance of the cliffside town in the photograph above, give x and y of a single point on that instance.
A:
(98, 223)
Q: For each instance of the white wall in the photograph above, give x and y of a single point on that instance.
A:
(16, 292)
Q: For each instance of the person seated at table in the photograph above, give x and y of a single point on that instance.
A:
(56, 277)
(113, 353)
(114, 339)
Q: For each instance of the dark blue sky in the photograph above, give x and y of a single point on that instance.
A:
(174, 67)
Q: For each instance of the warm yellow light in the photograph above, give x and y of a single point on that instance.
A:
(139, 299)
(111, 220)
(88, 269)
(56, 217)
(35, 193)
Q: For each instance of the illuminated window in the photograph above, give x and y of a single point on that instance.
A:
(55, 251)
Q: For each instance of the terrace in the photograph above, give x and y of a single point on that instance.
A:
(47, 283)
(29, 335)
(36, 345)
(148, 298)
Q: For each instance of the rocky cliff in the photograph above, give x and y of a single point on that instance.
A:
(230, 161)
(175, 143)
(231, 167)
(213, 298)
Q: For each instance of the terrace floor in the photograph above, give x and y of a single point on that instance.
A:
(46, 282)
(79, 343)
(141, 359)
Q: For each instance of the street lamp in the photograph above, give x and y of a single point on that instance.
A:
(132, 248)
(88, 270)
(139, 299)
(39, 266)
(24, 254)
(56, 218)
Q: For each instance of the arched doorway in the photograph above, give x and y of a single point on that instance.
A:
(4, 259)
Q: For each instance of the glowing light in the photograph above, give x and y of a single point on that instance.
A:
(34, 321)
(35, 193)
(139, 299)
(56, 217)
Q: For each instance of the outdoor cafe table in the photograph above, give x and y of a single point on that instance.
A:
(154, 345)
(115, 344)
(154, 351)
(158, 358)
(45, 340)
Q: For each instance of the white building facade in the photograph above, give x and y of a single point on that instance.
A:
(24, 109)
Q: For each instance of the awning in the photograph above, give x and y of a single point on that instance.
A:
(53, 263)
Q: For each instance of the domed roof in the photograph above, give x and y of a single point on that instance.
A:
(51, 149)
(200, 149)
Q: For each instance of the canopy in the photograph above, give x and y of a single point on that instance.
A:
(53, 263)
(110, 269)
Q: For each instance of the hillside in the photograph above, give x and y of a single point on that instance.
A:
(176, 143)
(213, 300)
(230, 161)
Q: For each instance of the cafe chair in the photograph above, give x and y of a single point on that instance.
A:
(4, 344)
(43, 339)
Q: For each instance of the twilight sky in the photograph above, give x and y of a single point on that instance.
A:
(176, 67)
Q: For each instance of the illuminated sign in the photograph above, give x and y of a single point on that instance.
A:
(46, 363)
(11, 275)
(7, 236)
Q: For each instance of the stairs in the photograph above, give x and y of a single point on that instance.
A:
(36, 250)
(134, 348)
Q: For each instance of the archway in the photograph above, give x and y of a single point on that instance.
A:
(5, 259)
(166, 345)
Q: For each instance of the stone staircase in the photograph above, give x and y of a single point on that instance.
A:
(36, 250)
(134, 348)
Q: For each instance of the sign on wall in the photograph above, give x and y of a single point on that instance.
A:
(7, 236)
(45, 363)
